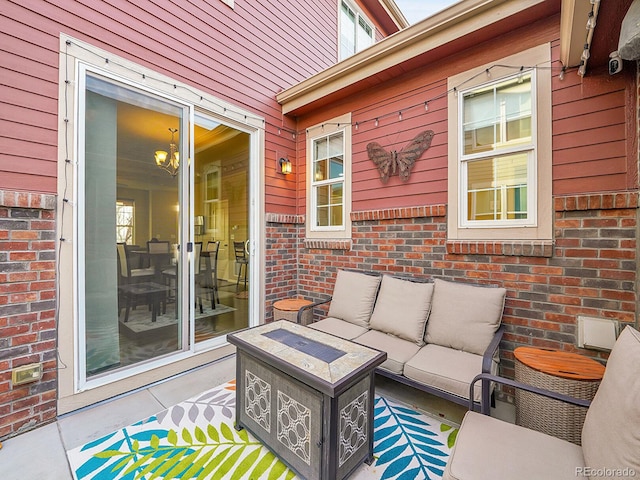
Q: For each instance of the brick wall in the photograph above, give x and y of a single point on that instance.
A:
(589, 269)
(283, 237)
(27, 308)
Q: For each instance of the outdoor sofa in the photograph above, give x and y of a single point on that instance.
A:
(490, 449)
(438, 335)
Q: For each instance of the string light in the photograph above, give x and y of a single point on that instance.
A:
(376, 120)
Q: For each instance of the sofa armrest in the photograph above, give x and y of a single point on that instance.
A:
(490, 352)
(487, 361)
(310, 306)
(486, 377)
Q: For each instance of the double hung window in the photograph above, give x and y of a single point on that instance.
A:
(329, 179)
(328, 182)
(497, 161)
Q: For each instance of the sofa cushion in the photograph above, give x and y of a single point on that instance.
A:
(398, 350)
(611, 431)
(402, 308)
(490, 449)
(353, 297)
(447, 369)
(339, 328)
(464, 317)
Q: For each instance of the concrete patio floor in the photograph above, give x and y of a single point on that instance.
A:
(41, 453)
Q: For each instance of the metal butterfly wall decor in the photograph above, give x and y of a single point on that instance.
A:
(390, 162)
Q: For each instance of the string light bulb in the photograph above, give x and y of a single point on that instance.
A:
(426, 106)
(561, 76)
(376, 124)
(356, 125)
(582, 69)
(400, 116)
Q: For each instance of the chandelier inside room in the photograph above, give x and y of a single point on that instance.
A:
(169, 162)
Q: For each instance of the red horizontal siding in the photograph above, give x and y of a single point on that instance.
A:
(593, 140)
(243, 55)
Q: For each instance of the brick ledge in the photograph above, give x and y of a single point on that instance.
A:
(284, 218)
(327, 244)
(520, 248)
(42, 201)
(402, 212)
(596, 201)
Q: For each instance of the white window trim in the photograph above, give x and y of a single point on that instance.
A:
(541, 227)
(343, 124)
(530, 148)
(360, 15)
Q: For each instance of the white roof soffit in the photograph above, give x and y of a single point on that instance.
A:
(572, 30)
(445, 26)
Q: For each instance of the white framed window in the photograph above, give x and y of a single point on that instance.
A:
(329, 167)
(356, 30)
(125, 221)
(498, 152)
(500, 178)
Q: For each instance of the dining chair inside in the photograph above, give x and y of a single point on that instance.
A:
(129, 276)
(211, 271)
(242, 261)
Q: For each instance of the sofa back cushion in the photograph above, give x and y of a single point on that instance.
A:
(611, 431)
(464, 317)
(402, 308)
(353, 297)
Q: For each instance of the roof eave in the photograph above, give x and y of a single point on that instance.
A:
(445, 26)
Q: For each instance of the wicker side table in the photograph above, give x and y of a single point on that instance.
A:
(562, 372)
(288, 308)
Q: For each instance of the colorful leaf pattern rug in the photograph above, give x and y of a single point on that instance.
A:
(196, 440)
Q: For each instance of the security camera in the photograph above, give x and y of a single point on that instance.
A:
(615, 63)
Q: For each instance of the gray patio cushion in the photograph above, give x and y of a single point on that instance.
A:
(489, 449)
(402, 308)
(398, 350)
(353, 297)
(339, 328)
(464, 317)
(611, 431)
(446, 369)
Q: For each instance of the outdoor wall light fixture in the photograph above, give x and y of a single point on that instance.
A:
(285, 166)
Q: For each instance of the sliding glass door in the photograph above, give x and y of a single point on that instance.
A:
(163, 264)
(132, 145)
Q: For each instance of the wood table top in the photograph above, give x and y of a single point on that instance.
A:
(560, 364)
(291, 304)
